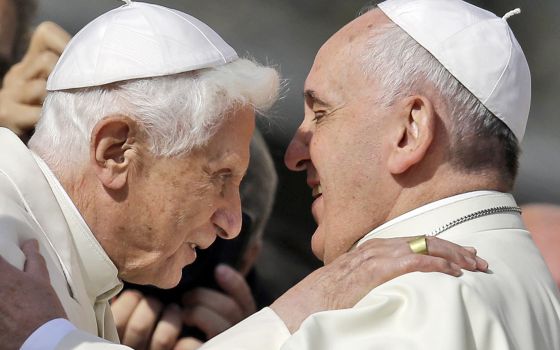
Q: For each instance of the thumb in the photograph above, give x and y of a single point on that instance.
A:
(235, 285)
(35, 263)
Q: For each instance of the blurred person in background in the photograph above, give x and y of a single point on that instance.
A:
(119, 150)
(543, 221)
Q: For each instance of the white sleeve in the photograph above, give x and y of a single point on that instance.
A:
(60, 334)
(48, 335)
(262, 330)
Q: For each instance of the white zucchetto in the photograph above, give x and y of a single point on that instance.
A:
(138, 40)
(476, 47)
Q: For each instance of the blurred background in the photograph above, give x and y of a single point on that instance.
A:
(287, 34)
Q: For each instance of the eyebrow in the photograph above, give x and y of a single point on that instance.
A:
(312, 95)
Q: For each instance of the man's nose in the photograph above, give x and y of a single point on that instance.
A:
(297, 155)
(228, 215)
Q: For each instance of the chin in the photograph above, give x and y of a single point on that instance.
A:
(167, 285)
(158, 279)
(168, 282)
(318, 246)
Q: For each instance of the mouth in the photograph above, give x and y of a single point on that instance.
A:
(201, 245)
(316, 191)
(193, 246)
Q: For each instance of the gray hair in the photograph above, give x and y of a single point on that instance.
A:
(178, 112)
(402, 67)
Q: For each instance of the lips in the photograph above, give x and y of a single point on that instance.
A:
(205, 240)
(318, 203)
(316, 191)
(195, 246)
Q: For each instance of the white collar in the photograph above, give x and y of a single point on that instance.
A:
(100, 272)
(423, 225)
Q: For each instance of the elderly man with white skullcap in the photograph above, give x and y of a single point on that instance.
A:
(136, 164)
(413, 117)
(135, 125)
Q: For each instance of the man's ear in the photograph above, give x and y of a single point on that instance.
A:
(113, 149)
(416, 128)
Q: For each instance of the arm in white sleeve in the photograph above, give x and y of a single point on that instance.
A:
(262, 330)
(60, 334)
(49, 335)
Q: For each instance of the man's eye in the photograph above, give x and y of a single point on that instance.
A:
(319, 115)
(225, 175)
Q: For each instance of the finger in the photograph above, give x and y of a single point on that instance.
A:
(35, 263)
(168, 329)
(33, 92)
(39, 65)
(207, 320)
(25, 117)
(141, 324)
(188, 344)
(216, 301)
(426, 263)
(452, 252)
(481, 264)
(48, 36)
(235, 285)
(123, 307)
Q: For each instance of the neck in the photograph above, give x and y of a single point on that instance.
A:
(79, 190)
(440, 186)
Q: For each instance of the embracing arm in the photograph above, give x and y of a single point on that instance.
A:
(33, 317)
(339, 286)
(21, 318)
(336, 286)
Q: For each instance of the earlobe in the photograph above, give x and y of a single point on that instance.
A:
(416, 133)
(112, 150)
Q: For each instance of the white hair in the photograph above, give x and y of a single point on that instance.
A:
(178, 112)
(402, 67)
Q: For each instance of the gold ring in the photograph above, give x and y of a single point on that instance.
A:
(419, 245)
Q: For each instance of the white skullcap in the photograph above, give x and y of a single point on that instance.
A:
(476, 47)
(138, 40)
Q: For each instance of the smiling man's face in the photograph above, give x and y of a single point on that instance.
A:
(341, 143)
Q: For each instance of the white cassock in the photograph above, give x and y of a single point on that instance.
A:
(514, 306)
(33, 204)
